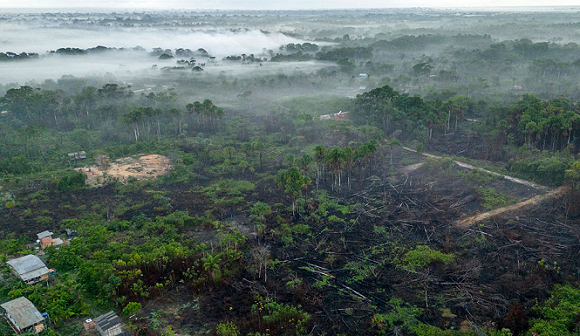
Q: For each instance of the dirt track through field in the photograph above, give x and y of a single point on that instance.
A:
(467, 222)
(468, 166)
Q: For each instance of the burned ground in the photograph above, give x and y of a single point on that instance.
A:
(343, 267)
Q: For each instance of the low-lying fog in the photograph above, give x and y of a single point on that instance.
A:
(31, 37)
(126, 65)
(219, 42)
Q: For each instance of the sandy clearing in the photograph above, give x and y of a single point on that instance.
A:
(145, 167)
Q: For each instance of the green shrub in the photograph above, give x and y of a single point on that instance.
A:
(422, 256)
(227, 329)
(281, 317)
(559, 313)
(479, 177)
(491, 199)
(402, 314)
(547, 170)
(71, 181)
(132, 308)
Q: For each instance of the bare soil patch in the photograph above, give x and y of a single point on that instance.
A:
(145, 167)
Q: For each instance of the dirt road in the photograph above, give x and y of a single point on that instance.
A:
(469, 221)
(468, 166)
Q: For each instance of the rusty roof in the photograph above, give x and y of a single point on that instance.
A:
(23, 312)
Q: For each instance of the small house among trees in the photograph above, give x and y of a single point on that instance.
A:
(335, 116)
(46, 240)
(109, 324)
(29, 269)
(23, 316)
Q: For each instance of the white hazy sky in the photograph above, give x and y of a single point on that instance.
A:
(275, 4)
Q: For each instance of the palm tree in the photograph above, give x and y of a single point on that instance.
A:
(218, 113)
(189, 108)
(147, 113)
(335, 158)
(261, 210)
(304, 162)
(366, 152)
(196, 107)
(320, 152)
(431, 121)
(206, 112)
(293, 183)
(348, 162)
(259, 146)
(246, 147)
(156, 113)
(134, 117)
(87, 98)
(373, 147)
(177, 113)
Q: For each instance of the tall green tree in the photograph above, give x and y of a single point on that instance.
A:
(319, 154)
(293, 183)
(335, 159)
(348, 156)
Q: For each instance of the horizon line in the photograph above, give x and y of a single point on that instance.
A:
(295, 9)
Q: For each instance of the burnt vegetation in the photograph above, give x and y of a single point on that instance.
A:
(325, 203)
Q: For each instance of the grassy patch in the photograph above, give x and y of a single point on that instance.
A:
(491, 199)
(479, 177)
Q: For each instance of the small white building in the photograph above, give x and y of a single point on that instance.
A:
(335, 116)
(77, 155)
(109, 324)
(23, 315)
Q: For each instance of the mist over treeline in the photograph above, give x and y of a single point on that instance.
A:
(472, 53)
(370, 172)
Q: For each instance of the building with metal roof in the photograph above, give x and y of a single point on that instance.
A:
(109, 324)
(23, 315)
(45, 238)
(56, 242)
(44, 234)
(29, 269)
